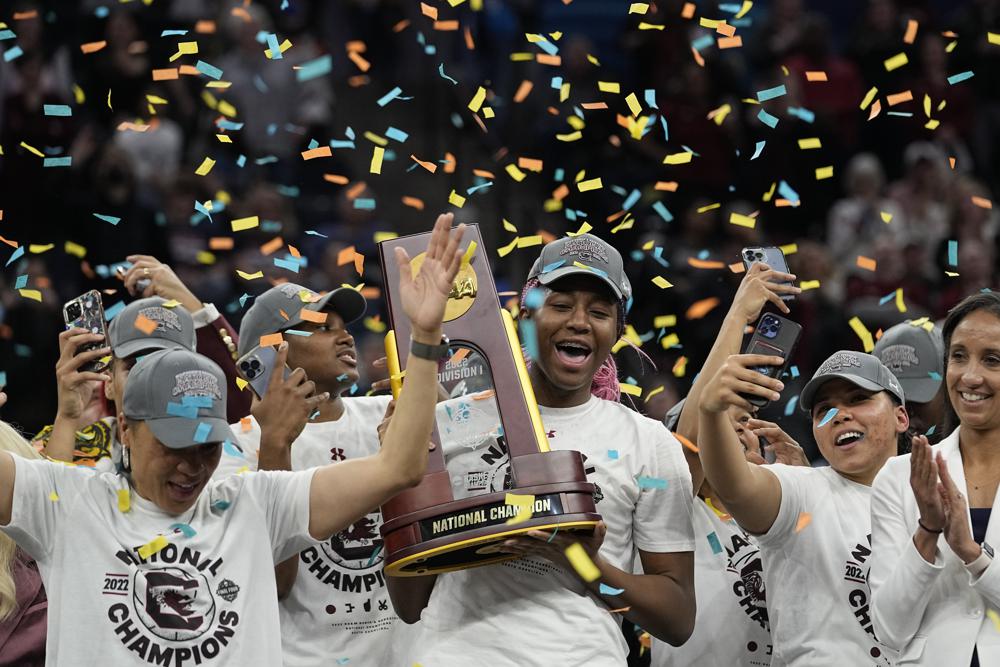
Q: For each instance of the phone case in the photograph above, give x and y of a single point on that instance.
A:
(774, 335)
(87, 312)
(770, 255)
(256, 366)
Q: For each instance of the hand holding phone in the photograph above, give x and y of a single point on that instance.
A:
(773, 336)
(257, 366)
(86, 312)
(773, 257)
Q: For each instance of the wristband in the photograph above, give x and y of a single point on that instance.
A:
(976, 567)
(430, 352)
(932, 532)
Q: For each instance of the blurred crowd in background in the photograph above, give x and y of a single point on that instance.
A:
(915, 200)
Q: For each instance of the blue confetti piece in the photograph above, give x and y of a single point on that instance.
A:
(3, 379)
(662, 211)
(651, 482)
(109, 313)
(934, 375)
(445, 76)
(341, 377)
(802, 114)
(314, 68)
(175, 409)
(766, 118)
(613, 454)
(114, 220)
(830, 414)
(703, 42)
(887, 298)
(57, 110)
(211, 71)
(666, 130)
(13, 53)
(232, 450)
(396, 134)
(650, 97)
(794, 370)
(960, 77)
(904, 114)
(58, 162)
(224, 124)
(183, 528)
(21, 281)
(390, 96)
(315, 413)
(953, 253)
(274, 47)
(790, 406)
(553, 266)
(771, 93)
(313, 232)
(631, 200)
(241, 161)
(477, 188)
(608, 590)
(7, 34)
(547, 46)
(171, 33)
(713, 541)
(758, 149)
(198, 401)
(286, 264)
(529, 337)
(202, 432)
(221, 505)
(931, 430)
(343, 661)
(364, 204)
(534, 298)
(375, 554)
(658, 256)
(297, 332)
(787, 192)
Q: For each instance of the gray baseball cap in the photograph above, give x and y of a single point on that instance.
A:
(916, 357)
(181, 395)
(586, 254)
(858, 368)
(174, 328)
(265, 315)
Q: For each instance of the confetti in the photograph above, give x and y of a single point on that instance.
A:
(524, 504)
(661, 282)
(242, 224)
(645, 482)
(830, 414)
(154, 546)
(608, 590)
(866, 263)
(958, 78)
(57, 110)
(863, 333)
(713, 541)
(124, 501)
(592, 184)
(315, 68)
(896, 62)
(804, 520)
(114, 220)
(582, 563)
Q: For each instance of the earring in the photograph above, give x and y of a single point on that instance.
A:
(126, 460)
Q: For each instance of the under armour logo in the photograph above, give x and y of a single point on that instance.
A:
(550, 434)
(337, 454)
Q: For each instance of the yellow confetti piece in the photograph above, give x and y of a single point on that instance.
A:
(900, 306)
(185, 49)
(627, 223)
(572, 136)
(284, 46)
(376, 165)
(789, 248)
(456, 199)
(224, 138)
(630, 389)
(633, 104)
(824, 173)
(477, 100)
(993, 38)
(242, 224)
(804, 520)
(508, 225)
(469, 252)
(78, 94)
(592, 184)
(808, 285)
(54, 497)
(990, 613)
(811, 142)
(609, 87)
(33, 294)
(124, 500)
(525, 507)
(582, 563)
(678, 158)
(866, 337)
(514, 172)
(32, 149)
(584, 228)
(154, 546)
(669, 341)
(719, 114)
(709, 207)
(661, 321)
(661, 282)
(653, 392)
(742, 220)
(886, 217)
(38, 248)
(869, 96)
(206, 166)
(249, 276)
(896, 62)
(507, 249)
(241, 384)
(75, 249)
(680, 367)
(638, 8)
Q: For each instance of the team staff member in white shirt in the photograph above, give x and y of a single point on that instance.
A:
(179, 570)
(812, 524)
(934, 581)
(536, 611)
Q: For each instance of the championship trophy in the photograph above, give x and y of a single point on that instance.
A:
(470, 499)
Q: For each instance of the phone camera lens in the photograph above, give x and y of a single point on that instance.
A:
(254, 364)
(73, 310)
(759, 256)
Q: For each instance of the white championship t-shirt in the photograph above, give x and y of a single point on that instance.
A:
(816, 559)
(530, 612)
(731, 628)
(206, 597)
(339, 607)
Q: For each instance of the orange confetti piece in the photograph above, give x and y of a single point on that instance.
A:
(697, 57)
(189, 70)
(594, 105)
(20, 16)
(293, 251)
(982, 202)
(804, 520)
(165, 74)
(271, 339)
(730, 42)
(313, 153)
(687, 12)
(700, 309)
(318, 317)
(469, 43)
(951, 161)
(816, 76)
(401, 26)
(446, 26)
(866, 263)
(245, 424)
(93, 47)
(336, 178)
(667, 186)
(359, 263)
(359, 60)
(205, 27)
(725, 29)
(450, 163)
(355, 190)
(429, 11)
(346, 256)
(271, 246)
(478, 172)
(899, 98)
(429, 166)
(911, 31)
(456, 358)
(413, 202)
(145, 325)
(561, 192)
(876, 109)
(220, 243)
(546, 59)
(523, 90)
(705, 264)
(684, 441)
(531, 164)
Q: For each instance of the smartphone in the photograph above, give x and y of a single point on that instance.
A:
(773, 336)
(87, 312)
(256, 365)
(770, 255)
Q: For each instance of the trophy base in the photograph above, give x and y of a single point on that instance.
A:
(469, 532)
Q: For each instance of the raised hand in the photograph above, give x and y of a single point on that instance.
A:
(924, 482)
(761, 284)
(736, 377)
(426, 294)
(75, 388)
(957, 533)
(163, 282)
(285, 407)
(786, 450)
